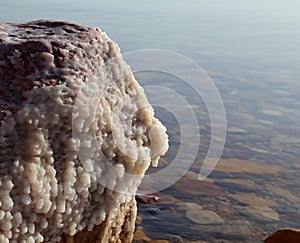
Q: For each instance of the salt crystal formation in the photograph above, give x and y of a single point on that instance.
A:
(76, 136)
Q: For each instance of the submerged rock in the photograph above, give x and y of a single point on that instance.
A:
(195, 213)
(76, 136)
(204, 217)
(262, 213)
(251, 199)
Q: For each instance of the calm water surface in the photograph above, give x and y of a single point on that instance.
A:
(251, 50)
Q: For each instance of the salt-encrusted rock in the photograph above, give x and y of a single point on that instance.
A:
(76, 136)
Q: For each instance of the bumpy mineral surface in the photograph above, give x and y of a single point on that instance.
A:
(76, 135)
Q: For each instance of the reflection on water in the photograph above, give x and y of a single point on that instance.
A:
(251, 51)
(253, 190)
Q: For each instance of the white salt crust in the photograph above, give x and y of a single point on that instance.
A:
(48, 187)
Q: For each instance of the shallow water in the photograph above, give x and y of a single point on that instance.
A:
(251, 51)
